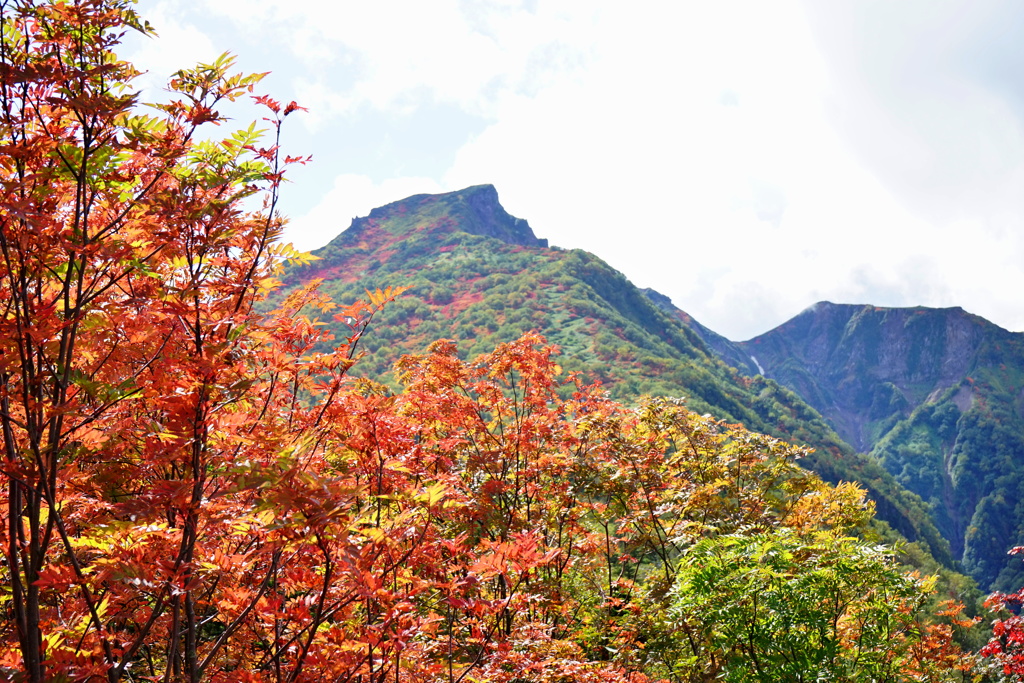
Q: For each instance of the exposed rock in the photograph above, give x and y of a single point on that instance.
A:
(475, 210)
(849, 360)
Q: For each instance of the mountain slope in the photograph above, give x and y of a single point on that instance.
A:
(729, 352)
(937, 396)
(481, 277)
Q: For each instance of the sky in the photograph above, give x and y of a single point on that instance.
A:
(745, 158)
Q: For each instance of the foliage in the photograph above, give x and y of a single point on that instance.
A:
(153, 446)
(966, 464)
(195, 491)
(774, 606)
(1006, 648)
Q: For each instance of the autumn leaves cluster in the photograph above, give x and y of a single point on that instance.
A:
(191, 491)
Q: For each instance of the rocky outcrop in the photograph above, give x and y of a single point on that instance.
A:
(861, 364)
(475, 210)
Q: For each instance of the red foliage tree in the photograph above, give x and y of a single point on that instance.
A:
(147, 411)
(1006, 647)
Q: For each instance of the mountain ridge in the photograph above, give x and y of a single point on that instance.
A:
(481, 288)
(474, 210)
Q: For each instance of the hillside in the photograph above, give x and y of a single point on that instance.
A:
(937, 396)
(481, 277)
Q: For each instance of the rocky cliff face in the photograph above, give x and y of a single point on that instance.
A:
(937, 396)
(474, 210)
(859, 365)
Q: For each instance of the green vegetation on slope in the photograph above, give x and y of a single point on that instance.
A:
(482, 291)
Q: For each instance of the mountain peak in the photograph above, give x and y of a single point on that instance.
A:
(861, 364)
(828, 306)
(475, 210)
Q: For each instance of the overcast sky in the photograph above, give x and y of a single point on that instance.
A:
(746, 159)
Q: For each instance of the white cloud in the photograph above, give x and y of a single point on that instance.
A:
(730, 154)
(640, 162)
(759, 198)
(394, 53)
(178, 45)
(920, 95)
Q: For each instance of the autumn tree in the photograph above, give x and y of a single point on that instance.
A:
(1005, 649)
(650, 541)
(146, 408)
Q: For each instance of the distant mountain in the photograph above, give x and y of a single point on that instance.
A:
(937, 396)
(481, 277)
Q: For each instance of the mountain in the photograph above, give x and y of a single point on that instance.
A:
(481, 277)
(936, 396)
